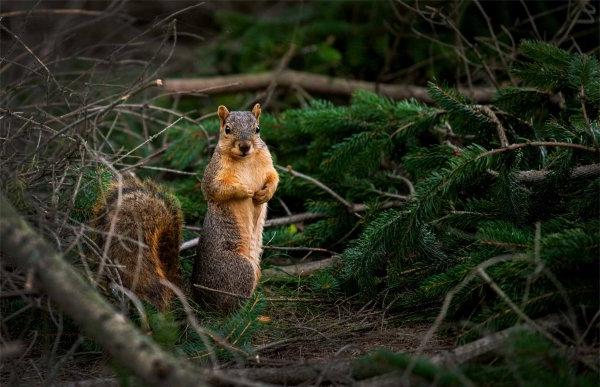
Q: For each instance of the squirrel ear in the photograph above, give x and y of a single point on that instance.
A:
(223, 113)
(256, 110)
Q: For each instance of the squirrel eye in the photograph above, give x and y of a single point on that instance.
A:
(257, 129)
(227, 129)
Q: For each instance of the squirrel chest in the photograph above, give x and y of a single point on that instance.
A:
(249, 216)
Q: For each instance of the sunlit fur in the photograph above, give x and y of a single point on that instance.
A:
(236, 188)
(146, 237)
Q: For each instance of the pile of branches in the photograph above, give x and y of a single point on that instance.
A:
(76, 112)
(489, 211)
(494, 208)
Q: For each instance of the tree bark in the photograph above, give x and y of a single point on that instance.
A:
(24, 248)
(316, 83)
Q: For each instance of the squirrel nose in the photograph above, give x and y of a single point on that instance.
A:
(244, 147)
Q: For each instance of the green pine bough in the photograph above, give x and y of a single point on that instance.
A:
(519, 177)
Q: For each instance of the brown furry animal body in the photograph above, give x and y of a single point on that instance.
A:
(146, 237)
(237, 183)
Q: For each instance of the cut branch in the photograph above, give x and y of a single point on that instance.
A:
(25, 249)
(464, 353)
(310, 82)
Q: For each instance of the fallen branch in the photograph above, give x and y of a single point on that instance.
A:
(297, 218)
(461, 354)
(591, 170)
(536, 176)
(486, 344)
(25, 249)
(310, 82)
(300, 269)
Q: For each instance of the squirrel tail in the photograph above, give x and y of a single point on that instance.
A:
(140, 224)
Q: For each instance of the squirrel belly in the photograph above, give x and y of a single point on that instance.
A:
(144, 244)
(223, 268)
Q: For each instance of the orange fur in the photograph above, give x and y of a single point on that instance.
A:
(145, 243)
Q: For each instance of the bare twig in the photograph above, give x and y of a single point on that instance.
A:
(298, 248)
(319, 184)
(66, 11)
(499, 127)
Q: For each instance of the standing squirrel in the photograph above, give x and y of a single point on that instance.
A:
(238, 182)
(145, 240)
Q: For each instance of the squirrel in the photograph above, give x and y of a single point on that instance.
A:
(145, 225)
(237, 183)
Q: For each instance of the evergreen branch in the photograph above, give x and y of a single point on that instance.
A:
(449, 298)
(512, 147)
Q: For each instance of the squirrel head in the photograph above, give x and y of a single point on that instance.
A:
(239, 135)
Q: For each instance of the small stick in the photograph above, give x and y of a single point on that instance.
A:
(316, 182)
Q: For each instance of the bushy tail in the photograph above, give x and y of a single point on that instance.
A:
(139, 226)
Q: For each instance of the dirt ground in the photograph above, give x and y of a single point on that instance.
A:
(312, 329)
(296, 330)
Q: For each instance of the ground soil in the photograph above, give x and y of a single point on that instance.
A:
(298, 327)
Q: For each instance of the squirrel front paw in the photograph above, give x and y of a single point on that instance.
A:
(261, 196)
(245, 192)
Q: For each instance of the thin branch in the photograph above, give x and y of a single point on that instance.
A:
(319, 184)
(499, 127)
(298, 248)
(482, 273)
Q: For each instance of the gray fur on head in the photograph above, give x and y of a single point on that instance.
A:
(242, 124)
